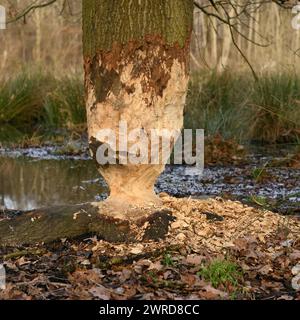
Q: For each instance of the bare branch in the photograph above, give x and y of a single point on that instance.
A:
(29, 9)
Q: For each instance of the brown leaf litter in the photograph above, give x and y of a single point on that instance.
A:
(265, 245)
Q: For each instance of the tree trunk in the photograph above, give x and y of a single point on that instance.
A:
(136, 71)
(85, 220)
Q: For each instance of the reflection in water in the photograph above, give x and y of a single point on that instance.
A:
(29, 184)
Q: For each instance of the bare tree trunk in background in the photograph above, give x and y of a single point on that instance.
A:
(226, 46)
(250, 36)
(256, 36)
(214, 43)
(38, 38)
(136, 70)
(279, 34)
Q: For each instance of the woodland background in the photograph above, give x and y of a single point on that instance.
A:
(41, 74)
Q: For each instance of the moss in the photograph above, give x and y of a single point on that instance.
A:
(120, 21)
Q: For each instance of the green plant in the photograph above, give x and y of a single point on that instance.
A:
(37, 104)
(168, 260)
(65, 105)
(150, 277)
(215, 103)
(261, 201)
(275, 103)
(221, 272)
(260, 173)
(233, 106)
(21, 99)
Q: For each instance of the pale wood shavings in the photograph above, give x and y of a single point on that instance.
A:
(239, 221)
(193, 229)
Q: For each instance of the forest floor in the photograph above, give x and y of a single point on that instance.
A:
(215, 249)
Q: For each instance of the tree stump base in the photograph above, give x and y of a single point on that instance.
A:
(80, 221)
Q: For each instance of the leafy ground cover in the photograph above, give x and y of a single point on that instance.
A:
(215, 249)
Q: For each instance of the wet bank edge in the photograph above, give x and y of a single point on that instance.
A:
(53, 170)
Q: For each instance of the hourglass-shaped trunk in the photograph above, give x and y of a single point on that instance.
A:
(136, 59)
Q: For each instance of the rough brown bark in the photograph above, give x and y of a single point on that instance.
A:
(56, 223)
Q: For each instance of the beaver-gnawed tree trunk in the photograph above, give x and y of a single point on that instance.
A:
(136, 71)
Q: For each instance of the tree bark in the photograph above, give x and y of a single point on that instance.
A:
(136, 58)
(81, 221)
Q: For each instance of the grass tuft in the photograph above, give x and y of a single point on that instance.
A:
(36, 104)
(221, 272)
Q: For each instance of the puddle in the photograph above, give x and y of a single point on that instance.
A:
(27, 184)
(31, 179)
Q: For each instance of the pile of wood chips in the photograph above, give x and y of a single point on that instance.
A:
(214, 224)
(195, 227)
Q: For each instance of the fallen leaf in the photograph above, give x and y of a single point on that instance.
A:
(100, 292)
(155, 266)
(296, 282)
(126, 274)
(214, 293)
(265, 269)
(188, 279)
(194, 259)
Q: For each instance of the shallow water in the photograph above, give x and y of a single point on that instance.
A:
(27, 184)
(31, 179)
